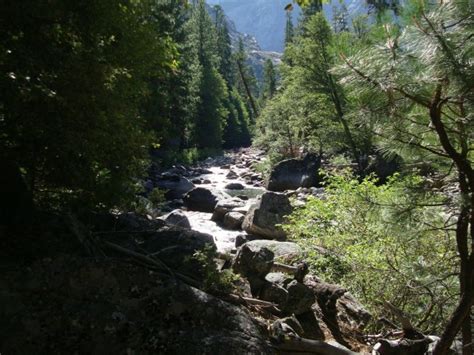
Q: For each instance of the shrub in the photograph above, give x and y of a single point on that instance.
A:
(385, 243)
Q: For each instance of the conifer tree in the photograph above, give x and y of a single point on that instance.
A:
(289, 28)
(269, 80)
(246, 82)
(210, 86)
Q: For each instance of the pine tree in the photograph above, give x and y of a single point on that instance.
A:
(424, 77)
(70, 109)
(224, 47)
(312, 59)
(289, 28)
(269, 80)
(246, 82)
(340, 17)
(311, 8)
(210, 87)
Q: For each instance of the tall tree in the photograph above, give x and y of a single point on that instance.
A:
(211, 88)
(246, 79)
(75, 79)
(340, 18)
(312, 57)
(426, 78)
(224, 47)
(269, 80)
(289, 27)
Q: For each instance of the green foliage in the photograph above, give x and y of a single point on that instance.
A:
(311, 109)
(215, 281)
(269, 80)
(157, 197)
(385, 243)
(75, 76)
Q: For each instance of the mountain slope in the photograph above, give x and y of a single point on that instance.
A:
(265, 19)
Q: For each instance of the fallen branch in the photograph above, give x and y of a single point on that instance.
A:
(288, 269)
(151, 262)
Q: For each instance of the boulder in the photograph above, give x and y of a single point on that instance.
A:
(108, 306)
(175, 184)
(286, 252)
(263, 217)
(253, 265)
(337, 305)
(293, 173)
(202, 199)
(300, 298)
(241, 239)
(233, 220)
(382, 167)
(232, 175)
(234, 186)
(225, 206)
(177, 218)
(292, 297)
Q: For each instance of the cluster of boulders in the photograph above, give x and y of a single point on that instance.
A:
(315, 309)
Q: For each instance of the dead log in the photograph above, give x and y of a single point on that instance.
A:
(153, 262)
(296, 345)
(402, 347)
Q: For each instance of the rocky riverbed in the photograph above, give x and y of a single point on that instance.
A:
(227, 198)
(126, 283)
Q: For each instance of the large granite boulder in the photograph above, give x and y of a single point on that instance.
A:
(108, 306)
(177, 218)
(293, 173)
(254, 266)
(286, 252)
(176, 185)
(225, 206)
(202, 199)
(234, 186)
(292, 297)
(264, 217)
(233, 220)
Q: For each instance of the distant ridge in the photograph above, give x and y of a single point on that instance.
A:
(265, 19)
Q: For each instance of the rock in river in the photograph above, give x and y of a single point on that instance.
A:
(264, 217)
(293, 173)
(202, 199)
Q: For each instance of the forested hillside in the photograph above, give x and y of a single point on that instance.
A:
(168, 187)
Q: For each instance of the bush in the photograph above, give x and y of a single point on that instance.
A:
(215, 281)
(385, 243)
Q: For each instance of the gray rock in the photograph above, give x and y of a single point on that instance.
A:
(253, 263)
(263, 217)
(175, 185)
(275, 293)
(300, 298)
(241, 239)
(339, 306)
(292, 297)
(225, 206)
(177, 218)
(233, 220)
(232, 175)
(286, 252)
(234, 186)
(294, 173)
(202, 199)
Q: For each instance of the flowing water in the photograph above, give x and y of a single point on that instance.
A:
(217, 180)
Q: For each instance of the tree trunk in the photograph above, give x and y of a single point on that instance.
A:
(247, 89)
(460, 319)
